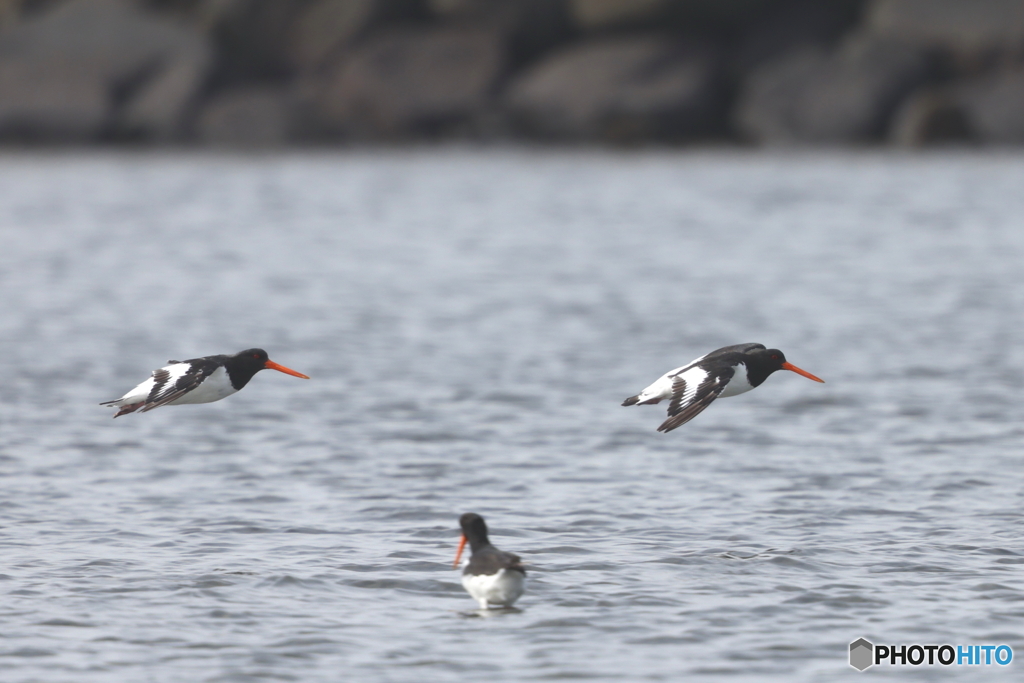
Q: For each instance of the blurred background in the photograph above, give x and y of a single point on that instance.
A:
(480, 226)
(308, 72)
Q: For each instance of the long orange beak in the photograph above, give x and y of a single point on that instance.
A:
(458, 553)
(271, 365)
(793, 368)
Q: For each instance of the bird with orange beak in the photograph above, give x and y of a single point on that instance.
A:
(200, 380)
(491, 576)
(729, 371)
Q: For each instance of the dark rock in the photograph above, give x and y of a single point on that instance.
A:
(972, 30)
(595, 14)
(325, 27)
(994, 106)
(269, 40)
(409, 82)
(247, 117)
(69, 74)
(844, 96)
(164, 105)
(928, 117)
(251, 37)
(687, 16)
(620, 89)
(767, 109)
(526, 28)
(8, 13)
(784, 27)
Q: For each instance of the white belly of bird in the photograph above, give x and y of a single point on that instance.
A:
(503, 588)
(739, 384)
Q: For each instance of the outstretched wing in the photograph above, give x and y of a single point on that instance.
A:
(692, 391)
(174, 381)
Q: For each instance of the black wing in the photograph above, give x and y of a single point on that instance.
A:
(688, 403)
(491, 560)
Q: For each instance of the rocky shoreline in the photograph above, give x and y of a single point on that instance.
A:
(264, 73)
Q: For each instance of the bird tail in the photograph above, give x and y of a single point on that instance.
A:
(124, 408)
(632, 400)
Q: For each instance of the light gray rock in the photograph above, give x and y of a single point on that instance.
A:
(619, 89)
(247, 117)
(69, 74)
(844, 96)
(410, 82)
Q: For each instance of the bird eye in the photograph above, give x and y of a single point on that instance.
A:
(256, 355)
(775, 356)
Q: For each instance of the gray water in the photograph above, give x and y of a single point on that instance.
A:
(471, 321)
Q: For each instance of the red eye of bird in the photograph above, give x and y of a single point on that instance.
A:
(775, 356)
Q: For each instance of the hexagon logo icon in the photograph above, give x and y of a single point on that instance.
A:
(861, 654)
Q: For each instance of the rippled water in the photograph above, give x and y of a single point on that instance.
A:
(471, 321)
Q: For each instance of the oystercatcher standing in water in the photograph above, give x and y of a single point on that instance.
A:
(492, 576)
(726, 372)
(200, 380)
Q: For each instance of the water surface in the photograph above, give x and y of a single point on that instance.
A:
(471, 321)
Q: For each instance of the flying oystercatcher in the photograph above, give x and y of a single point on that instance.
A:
(492, 576)
(729, 371)
(200, 380)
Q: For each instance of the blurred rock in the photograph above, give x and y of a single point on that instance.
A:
(162, 108)
(69, 74)
(789, 25)
(526, 28)
(324, 27)
(691, 17)
(270, 40)
(251, 37)
(994, 106)
(594, 14)
(445, 7)
(967, 28)
(247, 117)
(929, 117)
(988, 109)
(769, 99)
(913, 72)
(621, 89)
(844, 96)
(9, 11)
(410, 82)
